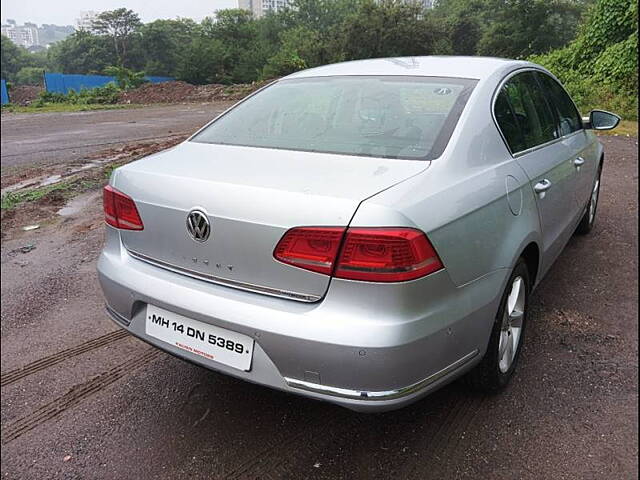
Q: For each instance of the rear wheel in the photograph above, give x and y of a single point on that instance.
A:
(589, 218)
(507, 335)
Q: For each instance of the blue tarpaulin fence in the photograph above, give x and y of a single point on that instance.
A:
(5, 94)
(64, 82)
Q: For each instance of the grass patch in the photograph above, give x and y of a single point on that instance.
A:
(61, 190)
(626, 128)
(13, 199)
(65, 107)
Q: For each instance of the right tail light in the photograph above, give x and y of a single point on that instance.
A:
(395, 254)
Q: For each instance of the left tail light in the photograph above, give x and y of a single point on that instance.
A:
(311, 248)
(120, 210)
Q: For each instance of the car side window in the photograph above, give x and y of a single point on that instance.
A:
(568, 115)
(506, 118)
(536, 122)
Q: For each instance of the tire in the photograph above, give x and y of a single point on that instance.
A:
(494, 371)
(589, 217)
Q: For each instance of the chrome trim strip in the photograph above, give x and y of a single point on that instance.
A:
(550, 142)
(380, 395)
(249, 287)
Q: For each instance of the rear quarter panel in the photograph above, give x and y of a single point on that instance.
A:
(461, 201)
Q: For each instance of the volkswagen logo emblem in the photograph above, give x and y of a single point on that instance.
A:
(198, 225)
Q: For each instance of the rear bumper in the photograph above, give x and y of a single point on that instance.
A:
(368, 347)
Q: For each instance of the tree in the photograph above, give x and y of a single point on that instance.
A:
(464, 21)
(233, 25)
(163, 43)
(203, 61)
(12, 58)
(390, 29)
(519, 28)
(301, 48)
(321, 15)
(120, 25)
(16, 59)
(82, 52)
(237, 44)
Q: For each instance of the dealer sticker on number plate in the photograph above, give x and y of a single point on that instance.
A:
(213, 343)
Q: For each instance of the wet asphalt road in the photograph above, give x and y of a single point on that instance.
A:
(49, 138)
(82, 401)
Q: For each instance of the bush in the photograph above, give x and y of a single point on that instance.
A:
(101, 95)
(125, 78)
(51, 97)
(600, 67)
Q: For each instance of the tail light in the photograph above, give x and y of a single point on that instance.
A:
(386, 255)
(120, 210)
(314, 249)
(368, 254)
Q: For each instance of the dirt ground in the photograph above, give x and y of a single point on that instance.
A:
(82, 400)
(179, 92)
(24, 94)
(54, 138)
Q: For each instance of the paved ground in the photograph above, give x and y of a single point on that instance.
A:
(47, 138)
(82, 401)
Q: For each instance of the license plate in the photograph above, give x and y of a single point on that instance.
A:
(213, 343)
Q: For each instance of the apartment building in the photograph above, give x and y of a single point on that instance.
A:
(25, 35)
(260, 7)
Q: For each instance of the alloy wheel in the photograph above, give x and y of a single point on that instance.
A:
(512, 324)
(593, 203)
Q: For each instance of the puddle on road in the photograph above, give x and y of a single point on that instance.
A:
(43, 181)
(30, 182)
(50, 180)
(77, 204)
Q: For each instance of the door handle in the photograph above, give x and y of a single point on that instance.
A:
(542, 186)
(578, 162)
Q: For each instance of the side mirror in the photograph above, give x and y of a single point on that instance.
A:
(601, 120)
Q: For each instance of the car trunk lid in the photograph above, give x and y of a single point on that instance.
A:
(251, 197)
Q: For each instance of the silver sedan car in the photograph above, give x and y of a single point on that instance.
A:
(360, 233)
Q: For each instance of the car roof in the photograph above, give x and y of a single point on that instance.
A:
(432, 66)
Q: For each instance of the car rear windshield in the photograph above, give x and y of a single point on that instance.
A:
(391, 117)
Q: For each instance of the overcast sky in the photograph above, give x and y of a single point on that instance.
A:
(65, 12)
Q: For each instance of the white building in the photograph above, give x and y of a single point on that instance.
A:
(25, 36)
(85, 20)
(260, 7)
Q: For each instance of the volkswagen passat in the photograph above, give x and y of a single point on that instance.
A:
(361, 233)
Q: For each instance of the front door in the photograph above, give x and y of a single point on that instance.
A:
(580, 148)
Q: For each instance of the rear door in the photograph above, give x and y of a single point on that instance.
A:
(530, 127)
